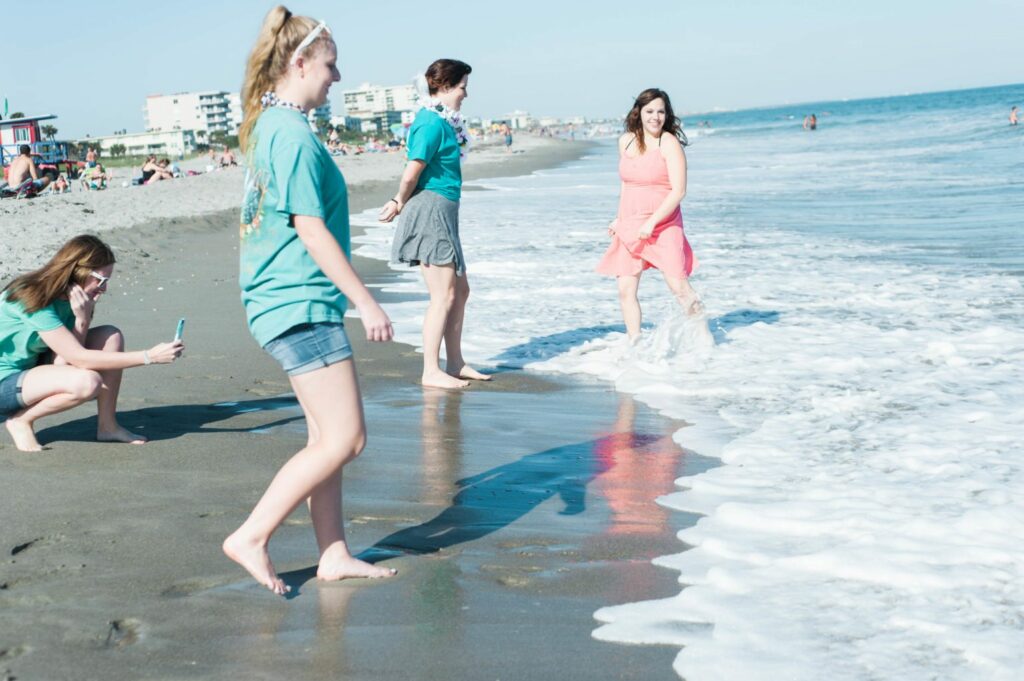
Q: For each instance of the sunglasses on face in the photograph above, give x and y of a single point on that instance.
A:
(99, 277)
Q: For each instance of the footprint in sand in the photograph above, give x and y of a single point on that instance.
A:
(37, 542)
(123, 633)
(13, 652)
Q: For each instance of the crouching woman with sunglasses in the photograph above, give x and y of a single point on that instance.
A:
(51, 358)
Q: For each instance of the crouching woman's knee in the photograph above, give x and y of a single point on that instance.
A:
(85, 384)
(106, 337)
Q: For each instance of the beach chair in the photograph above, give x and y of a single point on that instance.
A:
(25, 190)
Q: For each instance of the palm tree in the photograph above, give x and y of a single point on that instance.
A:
(49, 131)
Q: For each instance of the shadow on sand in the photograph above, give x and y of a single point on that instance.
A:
(500, 496)
(173, 421)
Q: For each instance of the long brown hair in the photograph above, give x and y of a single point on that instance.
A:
(280, 34)
(71, 265)
(672, 124)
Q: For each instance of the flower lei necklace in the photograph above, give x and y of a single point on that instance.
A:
(454, 119)
(270, 99)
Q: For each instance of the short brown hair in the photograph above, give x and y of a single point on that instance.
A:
(446, 73)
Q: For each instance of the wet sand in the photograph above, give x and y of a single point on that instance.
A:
(512, 510)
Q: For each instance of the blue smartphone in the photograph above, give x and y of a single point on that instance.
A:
(180, 329)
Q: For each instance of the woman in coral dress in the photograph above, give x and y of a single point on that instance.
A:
(648, 230)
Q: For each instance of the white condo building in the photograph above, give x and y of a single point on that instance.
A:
(209, 112)
(379, 106)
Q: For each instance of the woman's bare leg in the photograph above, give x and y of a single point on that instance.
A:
(331, 398)
(456, 365)
(440, 280)
(325, 509)
(47, 390)
(110, 339)
(686, 295)
(630, 304)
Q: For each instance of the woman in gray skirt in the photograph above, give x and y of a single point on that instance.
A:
(428, 229)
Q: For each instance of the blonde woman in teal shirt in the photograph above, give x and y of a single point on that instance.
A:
(428, 229)
(296, 282)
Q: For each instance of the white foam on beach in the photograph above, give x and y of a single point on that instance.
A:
(866, 408)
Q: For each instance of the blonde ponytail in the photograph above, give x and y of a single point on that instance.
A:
(280, 34)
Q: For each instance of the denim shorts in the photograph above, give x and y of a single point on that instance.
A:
(10, 394)
(308, 347)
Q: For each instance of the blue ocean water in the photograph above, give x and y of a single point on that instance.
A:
(941, 173)
(863, 387)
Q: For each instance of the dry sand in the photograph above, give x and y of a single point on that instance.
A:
(512, 510)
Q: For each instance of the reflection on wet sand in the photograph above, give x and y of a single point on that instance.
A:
(638, 468)
(441, 428)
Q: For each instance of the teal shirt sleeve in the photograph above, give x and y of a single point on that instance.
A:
(425, 140)
(298, 173)
(45, 319)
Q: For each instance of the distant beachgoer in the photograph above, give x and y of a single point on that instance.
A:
(810, 122)
(506, 132)
(296, 282)
(90, 158)
(97, 177)
(51, 358)
(154, 171)
(228, 158)
(60, 185)
(648, 230)
(428, 231)
(23, 175)
(149, 169)
(1013, 116)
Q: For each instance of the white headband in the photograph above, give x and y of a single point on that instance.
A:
(308, 40)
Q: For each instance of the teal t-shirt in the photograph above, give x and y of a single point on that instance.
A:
(20, 344)
(290, 172)
(432, 140)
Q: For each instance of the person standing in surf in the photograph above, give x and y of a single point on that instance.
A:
(428, 229)
(648, 230)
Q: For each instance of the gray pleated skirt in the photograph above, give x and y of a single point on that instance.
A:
(428, 232)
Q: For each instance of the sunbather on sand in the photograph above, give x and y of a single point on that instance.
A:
(23, 169)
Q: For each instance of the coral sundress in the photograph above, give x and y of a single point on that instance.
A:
(645, 184)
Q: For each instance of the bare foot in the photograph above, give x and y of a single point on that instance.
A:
(23, 435)
(469, 372)
(440, 379)
(337, 564)
(119, 434)
(692, 305)
(254, 558)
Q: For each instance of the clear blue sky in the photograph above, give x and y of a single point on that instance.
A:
(93, 63)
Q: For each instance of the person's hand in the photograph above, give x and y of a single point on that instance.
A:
(376, 322)
(390, 211)
(165, 353)
(611, 227)
(82, 304)
(645, 231)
